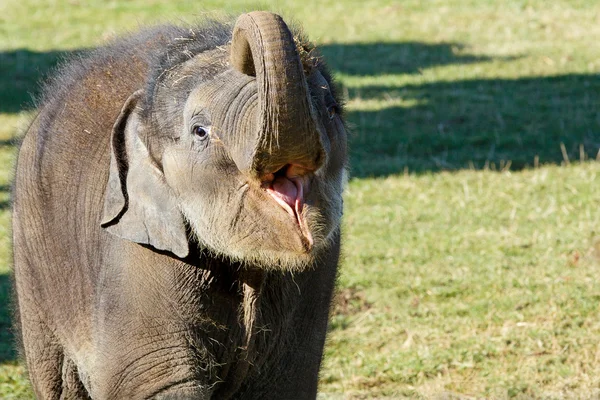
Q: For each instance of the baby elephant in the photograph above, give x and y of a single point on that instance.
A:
(177, 212)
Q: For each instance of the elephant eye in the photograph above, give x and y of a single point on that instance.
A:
(332, 110)
(332, 106)
(200, 131)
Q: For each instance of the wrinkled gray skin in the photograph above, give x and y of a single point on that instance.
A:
(156, 255)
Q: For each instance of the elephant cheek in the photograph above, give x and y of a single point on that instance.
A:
(176, 167)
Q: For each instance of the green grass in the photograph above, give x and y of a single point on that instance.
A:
(472, 246)
(476, 282)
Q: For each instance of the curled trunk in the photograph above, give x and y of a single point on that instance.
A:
(285, 131)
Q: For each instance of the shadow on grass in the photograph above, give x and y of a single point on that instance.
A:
(7, 143)
(20, 73)
(461, 124)
(5, 205)
(7, 341)
(474, 123)
(5, 202)
(394, 58)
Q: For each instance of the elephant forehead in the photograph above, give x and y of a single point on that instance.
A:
(230, 99)
(225, 88)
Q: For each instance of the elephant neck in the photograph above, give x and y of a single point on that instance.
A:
(247, 309)
(252, 283)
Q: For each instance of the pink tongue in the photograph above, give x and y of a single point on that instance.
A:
(286, 189)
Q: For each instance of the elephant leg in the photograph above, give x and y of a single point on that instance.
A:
(52, 375)
(44, 357)
(72, 387)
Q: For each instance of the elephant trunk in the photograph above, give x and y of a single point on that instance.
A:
(285, 131)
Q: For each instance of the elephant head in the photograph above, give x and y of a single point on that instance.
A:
(240, 148)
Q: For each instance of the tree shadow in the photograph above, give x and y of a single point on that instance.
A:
(5, 205)
(449, 125)
(476, 123)
(8, 143)
(395, 58)
(20, 74)
(7, 338)
(5, 202)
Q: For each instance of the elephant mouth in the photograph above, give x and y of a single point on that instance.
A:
(287, 187)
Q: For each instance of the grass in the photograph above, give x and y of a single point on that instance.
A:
(472, 246)
(479, 282)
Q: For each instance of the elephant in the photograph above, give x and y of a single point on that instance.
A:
(176, 216)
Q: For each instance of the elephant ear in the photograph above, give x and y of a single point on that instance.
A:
(138, 204)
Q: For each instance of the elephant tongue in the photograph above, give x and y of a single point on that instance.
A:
(287, 190)
(289, 193)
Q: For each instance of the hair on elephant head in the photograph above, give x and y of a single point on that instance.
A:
(243, 143)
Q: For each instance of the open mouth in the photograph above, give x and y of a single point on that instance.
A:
(288, 186)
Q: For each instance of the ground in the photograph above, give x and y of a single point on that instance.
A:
(471, 231)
